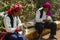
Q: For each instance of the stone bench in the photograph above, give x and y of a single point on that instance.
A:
(32, 33)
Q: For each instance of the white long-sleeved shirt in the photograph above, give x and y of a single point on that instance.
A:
(8, 24)
(44, 16)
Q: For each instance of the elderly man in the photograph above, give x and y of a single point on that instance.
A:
(44, 20)
(13, 24)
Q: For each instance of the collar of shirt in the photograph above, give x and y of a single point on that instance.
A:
(44, 12)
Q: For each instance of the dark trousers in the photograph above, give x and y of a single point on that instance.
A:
(14, 36)
(49, 25)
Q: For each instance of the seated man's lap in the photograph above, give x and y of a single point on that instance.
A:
(47, 25)
(12, 37)
(50, 25)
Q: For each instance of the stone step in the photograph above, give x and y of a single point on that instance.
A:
(31, 33)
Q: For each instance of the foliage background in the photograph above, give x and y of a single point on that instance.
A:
(30, 7)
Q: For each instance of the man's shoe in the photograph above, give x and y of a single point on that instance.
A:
(52, 38)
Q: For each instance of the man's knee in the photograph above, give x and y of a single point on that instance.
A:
(38, 26)
(53, 25)
(15, 37)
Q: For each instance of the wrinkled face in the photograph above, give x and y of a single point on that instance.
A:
(46, 9)
(16, 13)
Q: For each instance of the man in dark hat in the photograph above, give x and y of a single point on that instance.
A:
(44, 20)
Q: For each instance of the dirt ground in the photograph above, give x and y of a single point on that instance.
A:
(57, 35)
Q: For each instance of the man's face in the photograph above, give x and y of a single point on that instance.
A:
(16, 13)
(46, 9)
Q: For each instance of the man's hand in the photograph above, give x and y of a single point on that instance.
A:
(46, 20)
(17, 29)
(23, 26)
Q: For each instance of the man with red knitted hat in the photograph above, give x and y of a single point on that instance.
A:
(44, 20)
(13, 24)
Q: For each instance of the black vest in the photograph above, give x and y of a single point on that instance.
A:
(41, 13)
(11, 18)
